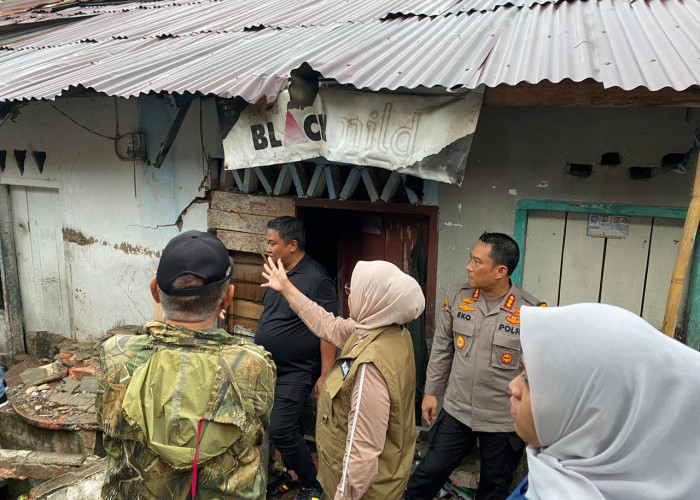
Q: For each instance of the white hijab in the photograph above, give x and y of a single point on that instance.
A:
(616, 406)
(382, 294)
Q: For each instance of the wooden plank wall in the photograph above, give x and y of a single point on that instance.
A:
(239, 220)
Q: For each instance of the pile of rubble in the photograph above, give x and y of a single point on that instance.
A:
(49, 438)
(59, 394)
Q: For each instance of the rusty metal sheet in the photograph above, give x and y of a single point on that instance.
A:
(653, 44)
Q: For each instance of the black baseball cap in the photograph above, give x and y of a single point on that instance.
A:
(198, 253)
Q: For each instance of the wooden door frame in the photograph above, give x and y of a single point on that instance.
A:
(429, 211)
(522, 207)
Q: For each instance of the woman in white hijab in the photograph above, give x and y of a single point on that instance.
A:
(365, 429)
(609, 407)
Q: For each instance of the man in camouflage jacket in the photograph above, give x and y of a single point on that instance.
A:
(184, 406)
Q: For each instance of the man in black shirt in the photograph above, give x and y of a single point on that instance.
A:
(302, 359)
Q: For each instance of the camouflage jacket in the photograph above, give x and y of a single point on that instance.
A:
(156, 389)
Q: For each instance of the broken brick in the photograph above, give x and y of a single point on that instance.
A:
(78, 372)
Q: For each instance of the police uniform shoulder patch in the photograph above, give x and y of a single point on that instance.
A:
(445, 304)
(510, 302)
(466, 305)
(514, 319)
(476, 293)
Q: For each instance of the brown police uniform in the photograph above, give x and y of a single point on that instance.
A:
(476, 352)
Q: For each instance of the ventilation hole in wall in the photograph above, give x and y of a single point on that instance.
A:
(20, 155)
(672, 159)
(580, 169)
(640, 173)
(3, 160)
(610, 159)
(40, 158)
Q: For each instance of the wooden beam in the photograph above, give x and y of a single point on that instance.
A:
(412, 195)
(391, 186)
(301, 180)
(266, 176)
(226, 180)
(248, 291)
(317, 183)
(246, 180)
(242, 242)
(246, 309)
(247, 268)
(587, 93)
(369, 177)
(284, 181)
(247, 204)
(233, 221)
(351, 183)
(334, 181)
(232, 321)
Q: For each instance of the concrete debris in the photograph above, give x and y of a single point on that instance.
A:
(35, 388)
(46, 373)
(90, 384)
(83, 482)
(70, 385)
(21, 464)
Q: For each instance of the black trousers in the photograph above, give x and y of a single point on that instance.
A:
(285, 430)
(449, 442)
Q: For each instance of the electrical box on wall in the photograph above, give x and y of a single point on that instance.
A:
(130, 147)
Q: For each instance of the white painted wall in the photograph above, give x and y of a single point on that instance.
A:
(117, 215)
(521, 153)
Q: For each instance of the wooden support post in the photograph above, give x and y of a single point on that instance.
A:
(685, 249)
(333, 181)
(391, 186)
(369, 177)
(412, 195)
(351, 183)
(318, 182)
(246, 180)
(226, 180)
(301, 180)
(284, 181)
(266, 178)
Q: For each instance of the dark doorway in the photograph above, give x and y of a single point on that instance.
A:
(339, 234)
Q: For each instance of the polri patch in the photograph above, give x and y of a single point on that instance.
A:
(345, 368)
(445, 304)
(507, 358)
(514, 319)
(466, 306)
(510, 302)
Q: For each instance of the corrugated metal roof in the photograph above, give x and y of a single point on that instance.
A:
(218, 15)
(652, 44)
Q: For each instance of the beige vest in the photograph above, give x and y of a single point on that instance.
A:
(391, 351)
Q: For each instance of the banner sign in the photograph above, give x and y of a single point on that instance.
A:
(426, 136)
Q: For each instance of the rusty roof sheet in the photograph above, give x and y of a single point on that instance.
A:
(650, 43)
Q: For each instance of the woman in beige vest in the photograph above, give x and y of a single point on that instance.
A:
(365, 430)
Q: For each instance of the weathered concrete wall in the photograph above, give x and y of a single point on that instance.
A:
(521, 153)
(116, 215)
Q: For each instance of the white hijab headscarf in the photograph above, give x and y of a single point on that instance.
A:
(616, 406)
(382, 295)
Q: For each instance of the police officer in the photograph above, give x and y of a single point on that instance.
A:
(476, 352)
